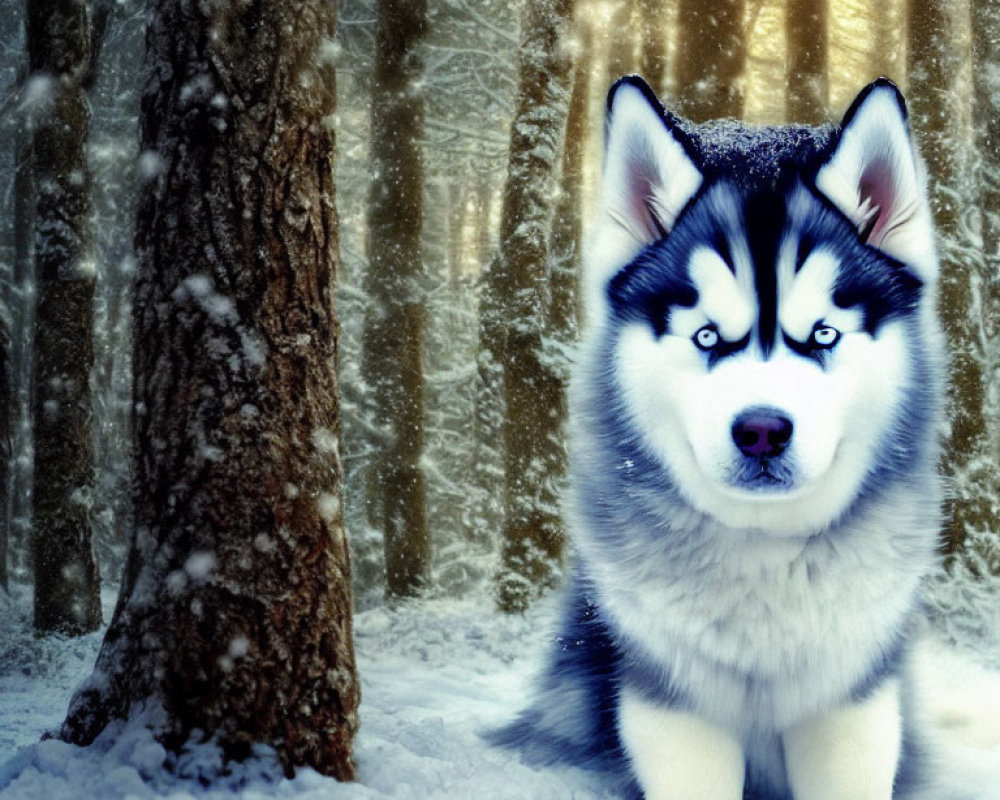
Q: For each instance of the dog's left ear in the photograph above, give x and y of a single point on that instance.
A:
(875, 177)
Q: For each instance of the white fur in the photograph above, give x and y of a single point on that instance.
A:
(678, 756)
(809, 615)
(838, 412)
(849, 753)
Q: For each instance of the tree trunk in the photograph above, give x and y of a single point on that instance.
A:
(983, 534)
(235, 608)
(933, 69)
(711, 58)
(392, 340)
(566, 237)
(532, 533)
(67, 585)
(653, 43)
(806, 88)
(6, 419)
(621, 41)
(18, 509)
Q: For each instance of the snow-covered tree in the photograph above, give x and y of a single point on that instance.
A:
(234, 616)
(513, 318)
(67, 586)
(969, 462)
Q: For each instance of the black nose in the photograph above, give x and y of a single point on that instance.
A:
(761, 432)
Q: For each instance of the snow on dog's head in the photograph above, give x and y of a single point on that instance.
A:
(764, 295)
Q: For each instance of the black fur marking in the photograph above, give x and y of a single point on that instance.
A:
(765, 222)
(647, 288)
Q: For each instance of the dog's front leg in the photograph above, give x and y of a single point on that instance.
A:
(678, 756)
(848, 754)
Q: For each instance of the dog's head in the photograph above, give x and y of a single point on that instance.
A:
(766, 293)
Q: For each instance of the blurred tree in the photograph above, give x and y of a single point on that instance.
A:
(653, 32)
(621, 33)
(393, 337)
(711, 59)
(513, 319)
(67, 585)
(806, 95)
(235, 608)
(933, 68)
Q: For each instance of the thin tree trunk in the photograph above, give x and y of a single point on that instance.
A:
(392, 340)
(711, 59)
(235, 609)
(67, 585)
(806, 85)
(933, 69)
(532, 533)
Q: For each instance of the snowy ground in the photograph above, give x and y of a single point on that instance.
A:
(434, 674)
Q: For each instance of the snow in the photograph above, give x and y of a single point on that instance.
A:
(435, 674)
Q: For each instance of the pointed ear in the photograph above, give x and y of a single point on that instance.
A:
(875, 177)
(649, 175)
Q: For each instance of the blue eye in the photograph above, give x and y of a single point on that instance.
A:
(824, 337)
(706, 338)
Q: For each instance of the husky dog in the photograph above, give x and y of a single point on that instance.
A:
(754, 444)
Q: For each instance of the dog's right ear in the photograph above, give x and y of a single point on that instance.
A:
(649, 175)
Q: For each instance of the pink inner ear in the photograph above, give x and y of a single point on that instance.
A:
(877, 193)
(641, 203)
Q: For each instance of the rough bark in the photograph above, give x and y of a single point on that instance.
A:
(392, 339)
(235, 610)
(934, 63)
(67, 585)
(514, 328)
(806, 85)
(711, 58)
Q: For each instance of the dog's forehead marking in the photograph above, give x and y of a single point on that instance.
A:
(806, 296)
(722, 297)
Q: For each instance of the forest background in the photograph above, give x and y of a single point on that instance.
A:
(468, 137)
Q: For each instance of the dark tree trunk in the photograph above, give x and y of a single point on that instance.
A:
(235, 608)
(532, 534)
(806, 89)
(934, 65)
(392, 340)
(67, 585)
(711, 58)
